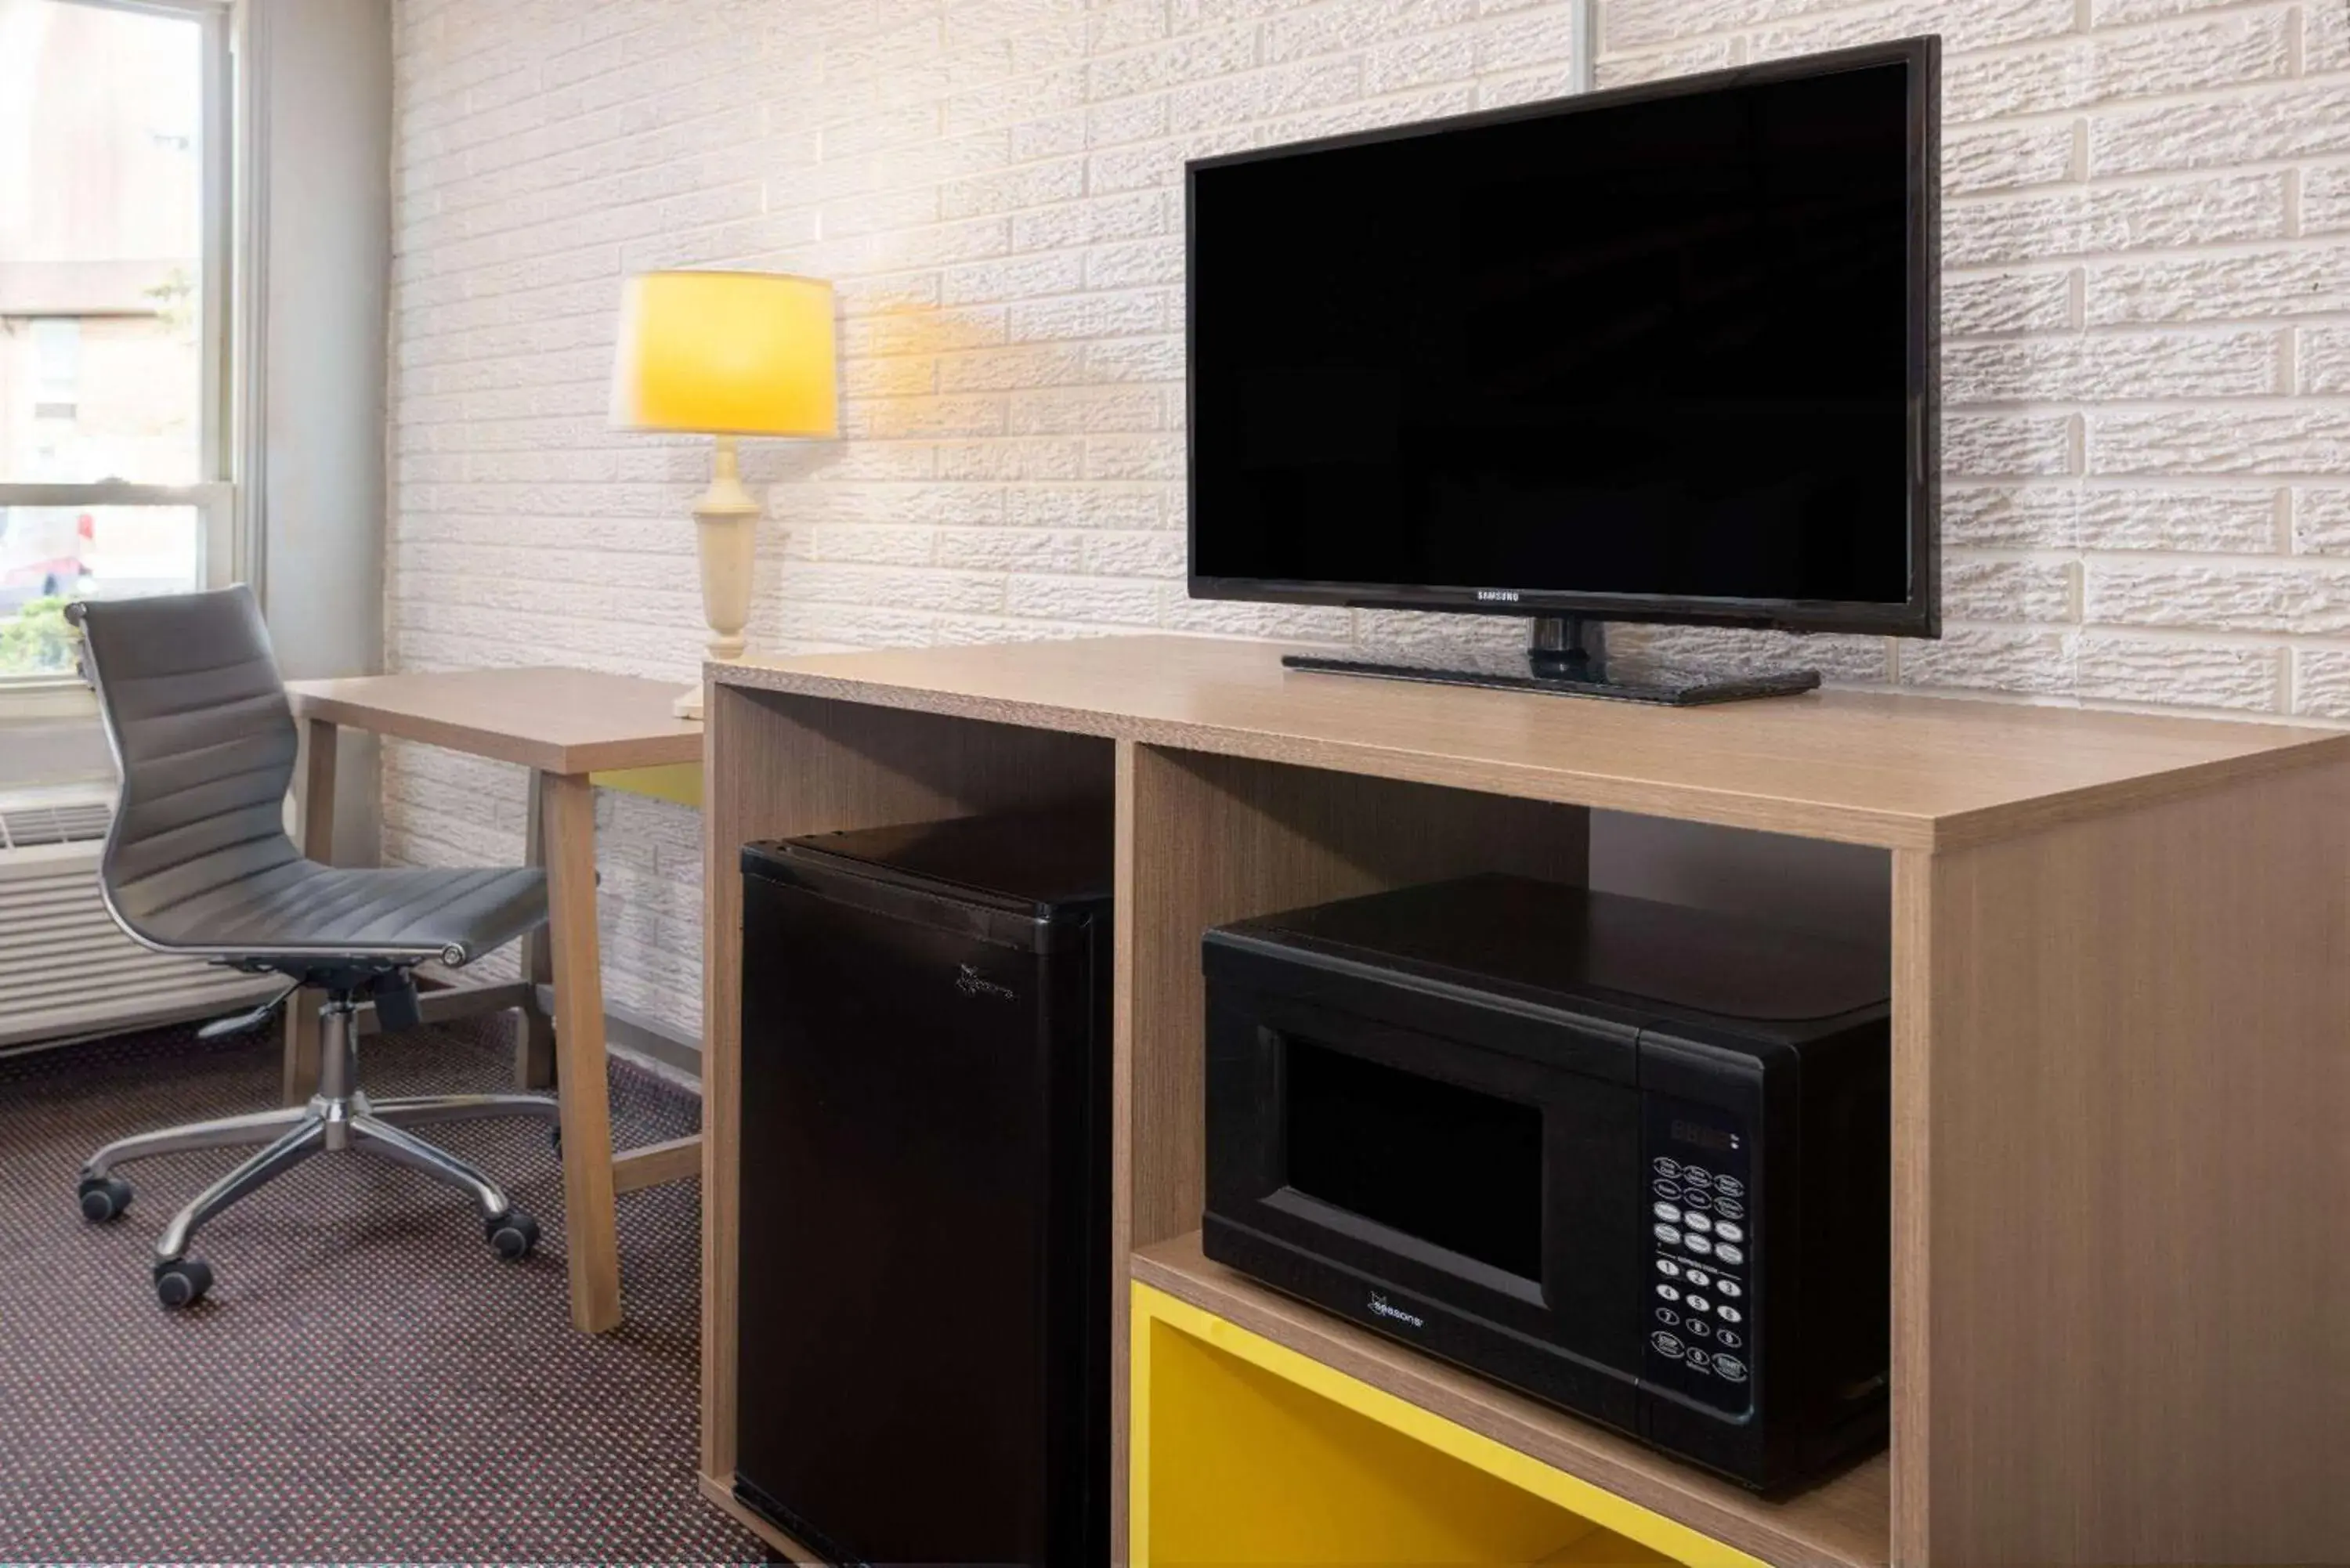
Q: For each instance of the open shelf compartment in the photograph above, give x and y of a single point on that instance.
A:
(1248, 1453)
(1660, 1510)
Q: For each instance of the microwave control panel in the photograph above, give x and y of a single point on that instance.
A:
(1703, 1240)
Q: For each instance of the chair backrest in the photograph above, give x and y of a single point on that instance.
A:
(202, 731)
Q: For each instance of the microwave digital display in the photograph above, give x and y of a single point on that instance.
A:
(1455, 1168)
(1720, 1140)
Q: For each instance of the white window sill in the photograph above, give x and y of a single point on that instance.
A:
(47, 701)
(50, 736)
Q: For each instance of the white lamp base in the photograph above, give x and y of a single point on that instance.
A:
(726, 532)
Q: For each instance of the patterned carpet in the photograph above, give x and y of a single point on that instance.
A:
(366, 1381)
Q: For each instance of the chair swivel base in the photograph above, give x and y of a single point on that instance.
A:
(339, 1117)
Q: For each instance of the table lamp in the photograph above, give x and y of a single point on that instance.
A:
(726, 353)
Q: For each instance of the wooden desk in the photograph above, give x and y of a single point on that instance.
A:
(562, 725)
(2121, 1038)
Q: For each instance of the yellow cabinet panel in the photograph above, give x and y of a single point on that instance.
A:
(1245, 1452)
(679, 782)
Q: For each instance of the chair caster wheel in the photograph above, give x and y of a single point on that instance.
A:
(514, 1233)
(182, 1282)
(555, 1137)
(104, 1198)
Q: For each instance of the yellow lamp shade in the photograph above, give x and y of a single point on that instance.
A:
(726, 353)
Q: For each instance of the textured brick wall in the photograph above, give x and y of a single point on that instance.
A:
(2147, 334)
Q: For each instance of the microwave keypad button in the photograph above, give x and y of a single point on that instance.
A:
(1700, 1215)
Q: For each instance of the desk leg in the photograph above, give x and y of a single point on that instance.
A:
(570, 826)
(317, 804)
(533, 1066)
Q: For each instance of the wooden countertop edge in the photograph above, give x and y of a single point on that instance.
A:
(1967, 830)
(1853, 824)
(1857, 825)
(1713, 1509)
(499, 745)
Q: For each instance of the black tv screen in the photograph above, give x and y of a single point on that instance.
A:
(1665, 353)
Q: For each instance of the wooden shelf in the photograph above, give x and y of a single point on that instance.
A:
(557, 721)
(1847, 1521)
(1896, 771)
(2119, 1008)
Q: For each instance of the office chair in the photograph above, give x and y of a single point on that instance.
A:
(197, 863)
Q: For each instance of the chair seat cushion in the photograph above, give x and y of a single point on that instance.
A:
(303, 909)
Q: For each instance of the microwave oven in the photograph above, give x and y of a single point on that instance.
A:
(1631, 1158)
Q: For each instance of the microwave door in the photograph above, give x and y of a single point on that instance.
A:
(1437, 1171)
(1505, 1187)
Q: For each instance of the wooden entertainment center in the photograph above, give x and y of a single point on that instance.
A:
(2120, 949)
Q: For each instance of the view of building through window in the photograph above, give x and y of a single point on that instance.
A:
(102, 361)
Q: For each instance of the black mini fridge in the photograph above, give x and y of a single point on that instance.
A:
(923, 1370)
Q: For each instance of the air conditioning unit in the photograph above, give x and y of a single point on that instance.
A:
(66, 971)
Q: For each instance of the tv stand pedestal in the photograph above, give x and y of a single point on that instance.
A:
(1568, 657)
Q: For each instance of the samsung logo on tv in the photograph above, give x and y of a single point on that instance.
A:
(1497, 596)
(1380, 1305)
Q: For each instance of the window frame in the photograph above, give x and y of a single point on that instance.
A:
(220, 545)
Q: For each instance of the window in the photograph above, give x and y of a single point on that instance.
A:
(114, 185)
(56, 378)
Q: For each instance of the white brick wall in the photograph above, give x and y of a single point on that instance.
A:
(2147, 318)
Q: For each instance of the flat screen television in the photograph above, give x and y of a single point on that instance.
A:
(1662, 353)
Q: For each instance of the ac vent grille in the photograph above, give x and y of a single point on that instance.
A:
(23, 827)
(66, 971)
